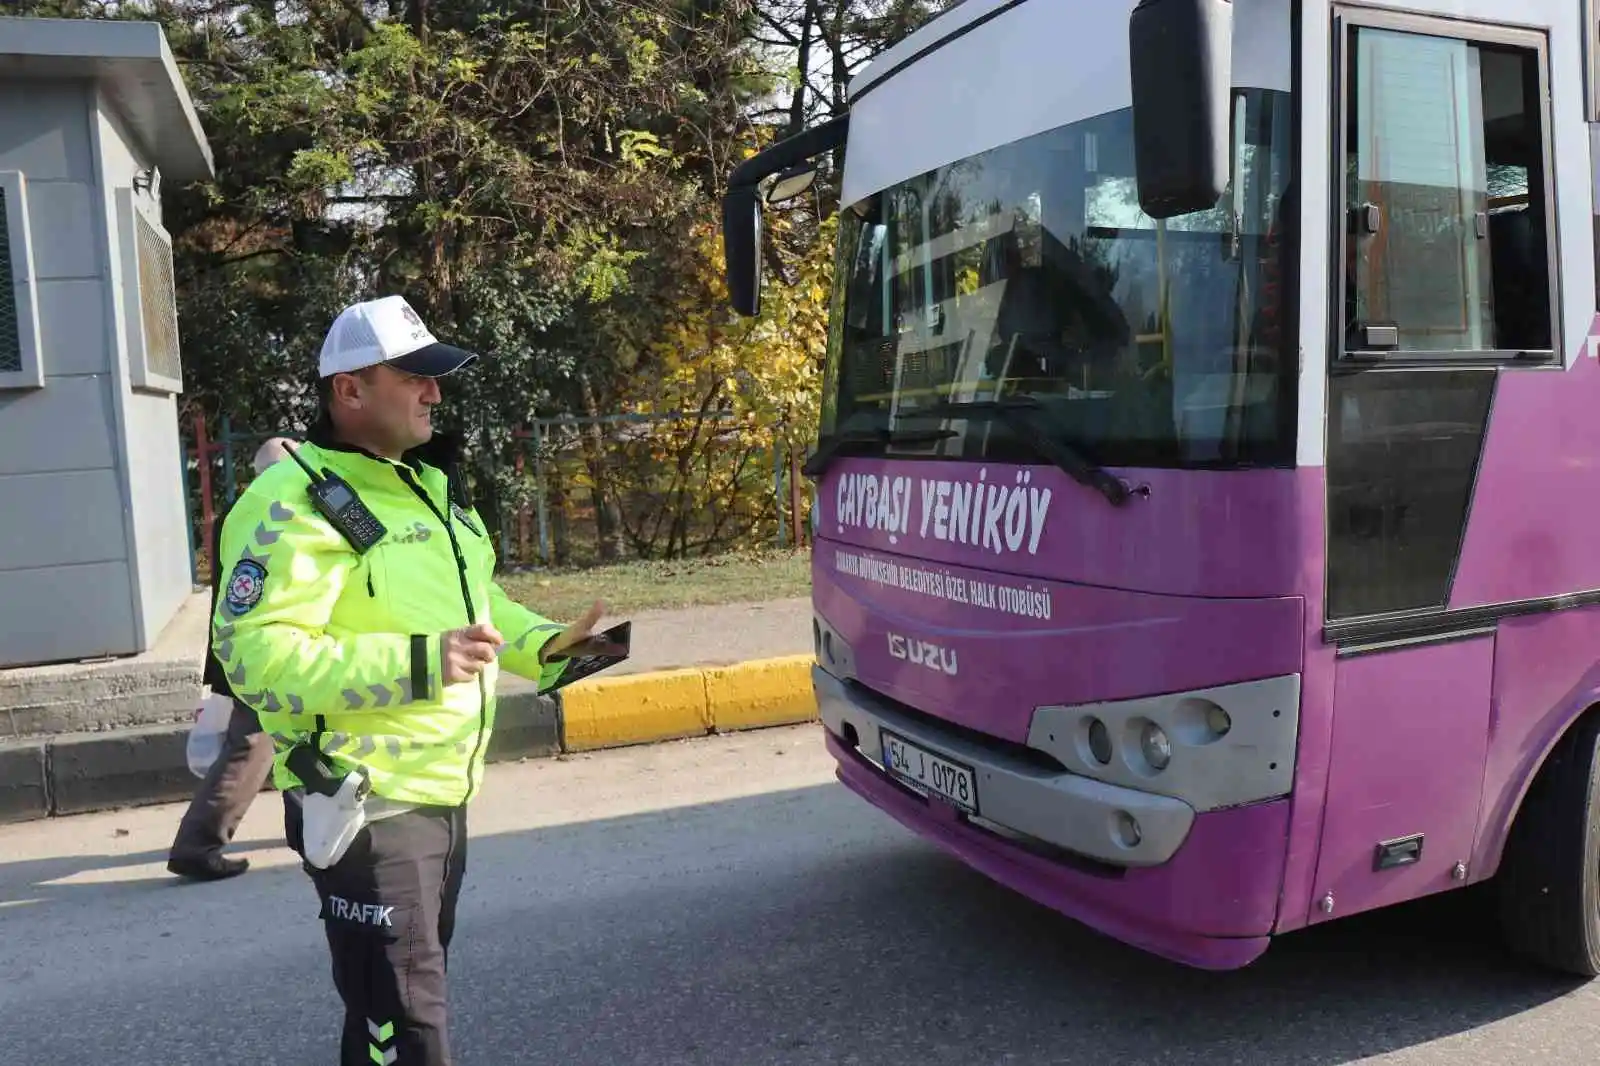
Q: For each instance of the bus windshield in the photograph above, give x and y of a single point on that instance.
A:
(1029, 273)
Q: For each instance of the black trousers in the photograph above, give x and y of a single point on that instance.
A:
(234, 780)
(389, 910)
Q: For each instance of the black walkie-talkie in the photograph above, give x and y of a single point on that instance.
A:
(336, 501)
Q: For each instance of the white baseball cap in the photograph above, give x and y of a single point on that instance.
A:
(387, 330)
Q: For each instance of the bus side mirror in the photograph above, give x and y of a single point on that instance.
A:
(741, 233)
(1181, 63)
(741, 248)
(791, 183)
(789, 165)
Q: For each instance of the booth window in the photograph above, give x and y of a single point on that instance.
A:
(149, 299)
(20, 348)
(10, 331)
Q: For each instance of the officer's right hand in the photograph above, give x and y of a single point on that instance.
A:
(465, 652)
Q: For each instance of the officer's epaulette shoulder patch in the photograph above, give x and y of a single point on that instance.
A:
(277, 500)
(464, 518)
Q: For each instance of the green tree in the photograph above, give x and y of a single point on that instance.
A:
(506, 166)
(540, 177)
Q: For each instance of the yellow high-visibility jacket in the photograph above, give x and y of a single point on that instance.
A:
(320, 639)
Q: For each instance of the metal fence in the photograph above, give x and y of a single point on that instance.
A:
(576, 491)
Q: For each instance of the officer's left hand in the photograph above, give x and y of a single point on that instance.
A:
(579, 638)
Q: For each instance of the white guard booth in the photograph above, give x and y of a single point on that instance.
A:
(94, 550)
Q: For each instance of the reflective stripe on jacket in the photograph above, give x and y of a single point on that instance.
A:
(305, 626)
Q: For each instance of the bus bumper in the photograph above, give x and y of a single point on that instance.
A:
(1198, 889)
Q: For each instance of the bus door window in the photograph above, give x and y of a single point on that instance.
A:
(1446, 247)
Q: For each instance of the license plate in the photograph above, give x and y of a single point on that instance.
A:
(929, 772)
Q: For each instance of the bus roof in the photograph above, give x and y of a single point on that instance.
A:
(960, 17)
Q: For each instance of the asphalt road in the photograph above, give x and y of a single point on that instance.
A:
(721, 902)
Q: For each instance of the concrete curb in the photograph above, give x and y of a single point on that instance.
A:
(672, 704)
(83, 772)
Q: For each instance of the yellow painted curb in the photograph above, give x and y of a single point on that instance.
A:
(670, 704)
(634, 709)
(765, 692)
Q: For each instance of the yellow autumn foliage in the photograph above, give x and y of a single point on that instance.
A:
(749, 391)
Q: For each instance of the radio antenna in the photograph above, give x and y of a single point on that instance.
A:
(316, 478)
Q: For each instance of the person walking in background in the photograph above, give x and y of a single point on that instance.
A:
(241, 768)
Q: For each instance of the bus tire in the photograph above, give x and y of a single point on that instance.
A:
(1549, 881)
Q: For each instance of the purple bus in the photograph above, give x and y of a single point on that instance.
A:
(1210, 430)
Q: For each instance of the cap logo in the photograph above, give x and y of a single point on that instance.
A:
(410, 316)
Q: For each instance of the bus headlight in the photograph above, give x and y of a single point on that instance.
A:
(1100, 742)
(834, 653)
(1213, 748)
(1155, 746)
(1217, 721)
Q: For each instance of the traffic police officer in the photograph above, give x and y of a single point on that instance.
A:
(379, 663)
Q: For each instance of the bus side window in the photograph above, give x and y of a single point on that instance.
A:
(1448, 220)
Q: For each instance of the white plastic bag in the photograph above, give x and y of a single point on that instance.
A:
(207, 733)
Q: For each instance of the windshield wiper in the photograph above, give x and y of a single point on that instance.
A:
(860, 439)
(1016, 413)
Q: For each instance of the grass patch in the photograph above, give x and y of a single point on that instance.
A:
(642, 586)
